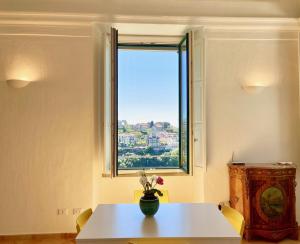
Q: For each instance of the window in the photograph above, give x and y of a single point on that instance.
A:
(150, 106)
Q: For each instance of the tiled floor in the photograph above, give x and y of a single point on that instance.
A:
(48, 239)
(55, 240)
(263, 242)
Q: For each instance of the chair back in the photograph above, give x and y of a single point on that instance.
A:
(235, 218)
(82, 219)
(162, 199)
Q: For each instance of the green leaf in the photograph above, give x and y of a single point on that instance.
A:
(159, 193)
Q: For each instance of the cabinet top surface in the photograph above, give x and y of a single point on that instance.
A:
(263, 165)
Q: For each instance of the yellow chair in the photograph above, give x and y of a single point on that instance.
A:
(82, 219)
(163, 199)
(235, 218)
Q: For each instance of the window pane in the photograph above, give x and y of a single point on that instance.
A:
(184, 111)
(148, 112)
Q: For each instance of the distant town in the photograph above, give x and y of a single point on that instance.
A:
(147, 145)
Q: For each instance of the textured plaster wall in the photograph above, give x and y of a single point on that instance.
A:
(190, 8)
(46, 132)
(262, 127)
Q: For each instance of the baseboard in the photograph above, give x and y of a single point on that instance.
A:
(38, 236)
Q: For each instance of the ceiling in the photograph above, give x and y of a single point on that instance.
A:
(220, 8)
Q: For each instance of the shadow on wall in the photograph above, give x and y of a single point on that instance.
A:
(228, 8)
(291, 7)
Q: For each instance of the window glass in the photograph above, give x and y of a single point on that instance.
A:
(148, 109)
(184, 106)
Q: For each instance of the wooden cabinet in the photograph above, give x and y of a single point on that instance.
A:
(265, 195)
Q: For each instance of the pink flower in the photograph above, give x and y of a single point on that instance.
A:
(160, 180)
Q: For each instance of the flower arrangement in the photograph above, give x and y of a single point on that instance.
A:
(150, 184)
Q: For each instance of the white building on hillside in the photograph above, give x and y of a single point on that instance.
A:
(127, 139)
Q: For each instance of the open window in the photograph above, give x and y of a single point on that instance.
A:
(184, 120)
(149, 110)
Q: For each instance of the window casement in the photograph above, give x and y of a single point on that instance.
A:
(186, 137)
(184, 101)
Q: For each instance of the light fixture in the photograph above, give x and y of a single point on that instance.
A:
(17, 83)
(253, 88)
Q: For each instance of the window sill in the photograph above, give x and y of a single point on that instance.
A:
(161, 172)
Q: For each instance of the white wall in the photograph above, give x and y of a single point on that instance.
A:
(46, 131)
(48, 142)
(190, 8)
(261, 127)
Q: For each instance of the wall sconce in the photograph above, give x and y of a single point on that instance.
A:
(253, 88)
(14, 83)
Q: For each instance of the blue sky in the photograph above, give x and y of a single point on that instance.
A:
(148, 86)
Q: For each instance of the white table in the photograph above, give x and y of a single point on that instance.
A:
(173, 223)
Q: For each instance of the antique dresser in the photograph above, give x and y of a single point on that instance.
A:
(265, 195)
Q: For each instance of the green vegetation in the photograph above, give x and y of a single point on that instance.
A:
(147, 145)
(165, 160)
